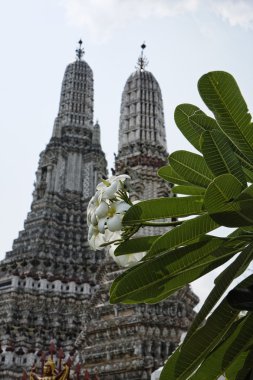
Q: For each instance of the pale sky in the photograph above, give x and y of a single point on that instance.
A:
(185, 39)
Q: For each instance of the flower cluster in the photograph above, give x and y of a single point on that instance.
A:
(104, 218)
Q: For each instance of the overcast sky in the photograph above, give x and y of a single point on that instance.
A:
(185, 39)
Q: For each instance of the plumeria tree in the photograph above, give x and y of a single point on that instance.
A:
(216, 189)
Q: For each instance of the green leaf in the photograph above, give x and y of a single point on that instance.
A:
(224, 205)
(140, 244)
(205, 122)
(220, 157)
(249, 174)
(240, 367)
(222, 282)
(246, 194)
(245, 161)
(192, 122)
(239, 265)
(222, 95)
(167, 173)
(193, 351)
(191, 167)
(189, 230)
(188, 190)
(156, 279)
(238, 339)
(162, 208)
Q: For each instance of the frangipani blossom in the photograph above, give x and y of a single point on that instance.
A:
(96, 238)
(91, 209)
(108, 188)
(105, 212)
(102, 210)
(104, 217)
(114, 215)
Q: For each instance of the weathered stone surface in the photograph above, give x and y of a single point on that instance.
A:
(49, 276)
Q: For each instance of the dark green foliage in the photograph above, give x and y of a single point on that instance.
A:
(218, 185)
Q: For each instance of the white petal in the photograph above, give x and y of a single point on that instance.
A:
(128, 260)
(101, 225)
(120, 260)
(121, 207)
(111, 236)
(95, 239)
(92, 206)
(121, 177)
(114, 223)
(112, 178)
(90, 209)
(99, 240)
(101, 186)
(102, 210)
(109, 192)
(90, 232)
(93, 219)
(134, 258)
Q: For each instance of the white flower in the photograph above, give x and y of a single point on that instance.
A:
(105, 212)
(96, 238)
(108, 188)
(91, 209)
(127, 260)
(102, 210)
(113, 218)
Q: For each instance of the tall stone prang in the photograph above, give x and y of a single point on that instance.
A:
(128, 342)
(142, 146)
(49, 276)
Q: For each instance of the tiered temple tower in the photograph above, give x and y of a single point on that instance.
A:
(130, 341)
(142, 147)
(49, 276)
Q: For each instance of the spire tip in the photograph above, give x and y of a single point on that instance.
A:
(142, 60)
(80, 50)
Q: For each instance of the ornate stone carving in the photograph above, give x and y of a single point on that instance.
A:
(48, 277)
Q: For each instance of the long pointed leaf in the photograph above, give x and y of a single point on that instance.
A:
(240, 367)
(191, 167)
(192, 122)
(183, 234)
(222, 95)
(220, 157)
(140, 244)
(156, 279)
(227, 204)
(188, 190)
(221, 284)
(249, 175)
(162, 208)
(240, 336)
(201, 343)
(167, 173)
(193, 351)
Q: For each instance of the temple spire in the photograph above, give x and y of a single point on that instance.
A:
(76, 107)
(142, 60)
(142, 118)
(80, 51)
